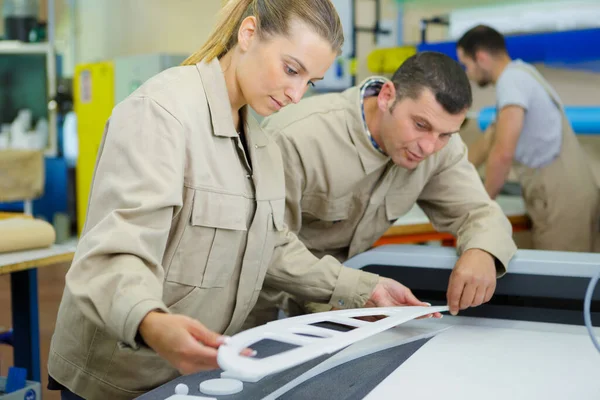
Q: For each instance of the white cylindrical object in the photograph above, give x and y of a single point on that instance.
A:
(182, 389)
(222, 387)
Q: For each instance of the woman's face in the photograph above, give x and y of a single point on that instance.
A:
(276, 70)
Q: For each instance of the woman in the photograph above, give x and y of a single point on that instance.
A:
(186, 210)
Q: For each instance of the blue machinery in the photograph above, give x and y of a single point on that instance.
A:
(584, 120)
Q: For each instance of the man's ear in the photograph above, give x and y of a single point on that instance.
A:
(386, 96)
(482, 57)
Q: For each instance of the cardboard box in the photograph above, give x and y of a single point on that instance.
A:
(31, 391)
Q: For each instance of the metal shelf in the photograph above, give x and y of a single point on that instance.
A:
(16, 47)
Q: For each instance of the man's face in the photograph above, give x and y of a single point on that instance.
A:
(474, 68)
(413, 129)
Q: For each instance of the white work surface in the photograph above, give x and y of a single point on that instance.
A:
(498, 359)
(27, 259)
(511, 205)
(33, 255)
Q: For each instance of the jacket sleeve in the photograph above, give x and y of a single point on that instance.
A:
(294, 269)
(116, 276)
(295, 182)
(455, 201)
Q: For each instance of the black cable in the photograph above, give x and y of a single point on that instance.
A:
(587, 305)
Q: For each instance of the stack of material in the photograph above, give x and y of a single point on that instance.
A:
(21, 233)
(21, 175)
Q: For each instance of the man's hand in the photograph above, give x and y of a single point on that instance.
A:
(472, 282)
(184, 342)
(390, 293)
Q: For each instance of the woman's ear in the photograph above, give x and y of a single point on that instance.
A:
(247, 32)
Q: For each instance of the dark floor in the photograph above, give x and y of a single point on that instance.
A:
(51, 281)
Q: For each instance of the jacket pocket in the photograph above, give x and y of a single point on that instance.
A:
(320, 212)
(276, 219)
(211, 244)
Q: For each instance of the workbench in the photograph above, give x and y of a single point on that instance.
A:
(415, 227)
(528, 343)
(22, 267)
(469, 359)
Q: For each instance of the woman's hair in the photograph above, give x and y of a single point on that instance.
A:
(273, 18)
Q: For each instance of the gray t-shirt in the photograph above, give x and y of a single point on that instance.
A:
(541, 137)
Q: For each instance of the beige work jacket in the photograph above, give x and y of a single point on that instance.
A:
(342, 194)
(183, 220)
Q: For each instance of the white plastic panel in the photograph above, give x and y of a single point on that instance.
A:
(249, 369)
(471, 362)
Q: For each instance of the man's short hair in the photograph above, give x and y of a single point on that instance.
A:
(484, 38)
(437, 72)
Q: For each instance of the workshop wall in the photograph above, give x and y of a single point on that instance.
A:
(142, 26)
(88, 31)
(413, 14)
(365, 17)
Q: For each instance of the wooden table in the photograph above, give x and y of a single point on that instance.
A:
(6, 215)
(414, 227)
(22, 267)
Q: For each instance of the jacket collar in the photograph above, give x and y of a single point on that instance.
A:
(220, 108)
(371, 159)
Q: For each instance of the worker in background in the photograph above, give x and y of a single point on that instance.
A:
(186, 212)
(532, 133)
(357, 161)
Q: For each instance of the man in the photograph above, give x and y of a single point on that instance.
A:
(356, 161)
(533, 133)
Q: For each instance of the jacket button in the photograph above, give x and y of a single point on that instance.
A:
(341, 302)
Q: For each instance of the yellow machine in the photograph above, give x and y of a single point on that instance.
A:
(387, 60)
(94, 95)
(97, 88)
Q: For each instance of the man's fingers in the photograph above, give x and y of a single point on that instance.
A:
(455, 289)
(489, 292)
(479, 297)
(468, 295)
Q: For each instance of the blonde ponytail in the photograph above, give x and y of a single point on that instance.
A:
(273, 17)
(231, 16)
